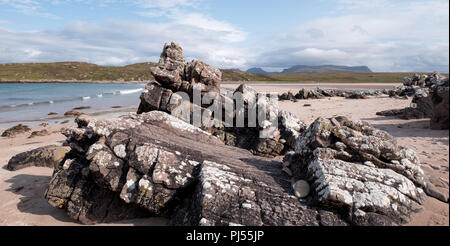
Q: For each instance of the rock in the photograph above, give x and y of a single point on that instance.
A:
(261, 138)
(440, 112)
(40, 133)
(48, 156)
(434, 192)
(361, 170)
(156, 164)
(72, 113)
(318, 93)
(391, 112)
(421, 107)
(82, 107)
(430, 99)
(43, 124)
(357, 95)
(52, 113)
(287, 171)
(301, 188)
(170, 69)
(200, 72)
(13, 131)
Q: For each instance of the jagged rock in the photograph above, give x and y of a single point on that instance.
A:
(156, 164)
(260, 136)
(440, 113)
(317, 93)
(430, 92)
(48, 156)
(13, 131)
(170, 69)
(359, 169)
(200, 72)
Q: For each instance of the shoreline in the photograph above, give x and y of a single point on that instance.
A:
(100, 112)
(274, 87)
(277, 82)
(71, 81)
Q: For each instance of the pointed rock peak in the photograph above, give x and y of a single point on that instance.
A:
(172, 53)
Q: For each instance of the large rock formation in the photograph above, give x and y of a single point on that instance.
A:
(173, 76)
(430, 99)
(359, 170)
(155, 164)
(440, 113)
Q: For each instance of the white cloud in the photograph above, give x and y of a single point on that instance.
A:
(28, 7)
(163, 4)
(119, 43)
(386, 36)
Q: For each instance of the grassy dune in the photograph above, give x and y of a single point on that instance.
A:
(80, 71)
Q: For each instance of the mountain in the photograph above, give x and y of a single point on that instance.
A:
(326, 69)
(257, 70)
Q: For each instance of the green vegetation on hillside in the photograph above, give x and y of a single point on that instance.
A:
(74, 71)
(80, 71)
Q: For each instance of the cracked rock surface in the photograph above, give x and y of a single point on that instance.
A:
(155, 164)
(359, 170)
(173, 75)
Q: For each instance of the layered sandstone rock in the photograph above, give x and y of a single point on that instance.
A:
(155, 164)
(174, 92)
(361, 170)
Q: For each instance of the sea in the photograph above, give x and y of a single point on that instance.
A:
(31, 103)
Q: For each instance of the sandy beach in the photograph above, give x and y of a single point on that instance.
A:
(22, 191)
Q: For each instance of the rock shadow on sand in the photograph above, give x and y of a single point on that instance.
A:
(411, 128)
(32, 189)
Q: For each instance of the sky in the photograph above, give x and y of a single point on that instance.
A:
(385, 35)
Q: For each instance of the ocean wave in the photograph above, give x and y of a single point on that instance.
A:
(54, 101)
(131, 91)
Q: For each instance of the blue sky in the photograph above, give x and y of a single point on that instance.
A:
(385, 35)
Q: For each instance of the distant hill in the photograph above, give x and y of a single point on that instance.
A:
(75, 71)
(140, 72)
(257, 70)
(326, 69)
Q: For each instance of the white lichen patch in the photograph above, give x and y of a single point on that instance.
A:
(119, 150)
(94, 147)
(102, 159)
(147, 153)
(247, 205)
(67, 164)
